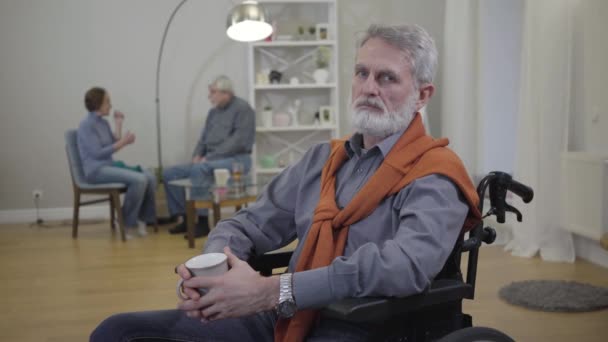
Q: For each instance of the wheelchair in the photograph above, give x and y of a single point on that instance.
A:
(436, 314)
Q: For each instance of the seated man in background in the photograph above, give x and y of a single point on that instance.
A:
(227, 138)
(97, 144)
(375, 215)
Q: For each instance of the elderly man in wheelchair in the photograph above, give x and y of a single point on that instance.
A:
(380, 220)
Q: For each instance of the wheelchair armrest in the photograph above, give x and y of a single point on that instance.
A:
(265, 263)
(359, 310)
(373, 309)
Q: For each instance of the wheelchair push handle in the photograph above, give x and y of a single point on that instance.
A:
(499, 183)
(525, 192)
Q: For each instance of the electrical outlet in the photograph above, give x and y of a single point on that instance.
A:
(37, 194)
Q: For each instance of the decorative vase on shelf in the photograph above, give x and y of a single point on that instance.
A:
(267, 116)
(267, 161)
(280, 120)
(293, 112)
(321, 76)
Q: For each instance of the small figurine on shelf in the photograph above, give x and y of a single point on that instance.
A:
(275, 77)
(293, 111)
(317, 120)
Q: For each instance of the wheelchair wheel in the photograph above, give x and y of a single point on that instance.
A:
(476, 334)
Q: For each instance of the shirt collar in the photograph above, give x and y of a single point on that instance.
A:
(228, 104)
(353, 145)
(95, 116)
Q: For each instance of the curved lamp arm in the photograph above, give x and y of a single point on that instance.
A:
(160, 56)
(245, 12)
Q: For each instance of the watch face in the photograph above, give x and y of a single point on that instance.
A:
(286, 309)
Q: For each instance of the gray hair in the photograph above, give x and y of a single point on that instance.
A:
(415, 42)
(223, 83)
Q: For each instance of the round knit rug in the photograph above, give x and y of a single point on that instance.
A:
(555, 295)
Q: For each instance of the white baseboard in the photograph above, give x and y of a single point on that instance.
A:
(53, 214)
(590, 250)
(94, 212)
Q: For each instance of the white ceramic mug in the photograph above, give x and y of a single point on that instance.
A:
(204, 265)
(221, 177)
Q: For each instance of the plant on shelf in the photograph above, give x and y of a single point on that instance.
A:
(322, 58)
(312, 30)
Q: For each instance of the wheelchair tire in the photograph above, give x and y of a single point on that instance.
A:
(476, 334)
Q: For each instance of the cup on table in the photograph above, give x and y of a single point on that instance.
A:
(221, 177)
(237, 171)
(204, 265)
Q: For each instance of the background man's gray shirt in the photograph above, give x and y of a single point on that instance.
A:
(228, 131)
(395, 251)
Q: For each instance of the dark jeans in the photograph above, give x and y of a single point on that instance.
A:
(174, 325)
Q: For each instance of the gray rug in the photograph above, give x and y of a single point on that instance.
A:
(555, 295)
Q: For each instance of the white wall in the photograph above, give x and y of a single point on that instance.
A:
(589, 114)
(589, 103)
(51, 52)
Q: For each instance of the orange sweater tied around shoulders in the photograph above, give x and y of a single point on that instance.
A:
(413, 156)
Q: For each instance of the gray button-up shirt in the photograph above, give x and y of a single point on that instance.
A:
(228, 131)
(395, 251)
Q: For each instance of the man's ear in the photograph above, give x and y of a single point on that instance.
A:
(425, 92)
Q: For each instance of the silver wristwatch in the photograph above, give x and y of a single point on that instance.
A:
(287, 304)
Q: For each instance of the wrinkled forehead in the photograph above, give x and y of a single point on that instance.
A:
(376, 53)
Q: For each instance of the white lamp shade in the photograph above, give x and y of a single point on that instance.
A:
(248, 22)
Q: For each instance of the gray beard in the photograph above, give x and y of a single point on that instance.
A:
(384, 124)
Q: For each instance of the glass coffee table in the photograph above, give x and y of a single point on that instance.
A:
(214, 198)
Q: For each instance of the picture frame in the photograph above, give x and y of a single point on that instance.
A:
(322, 31)
(326, 114)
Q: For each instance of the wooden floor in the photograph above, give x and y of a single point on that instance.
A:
(54, 288)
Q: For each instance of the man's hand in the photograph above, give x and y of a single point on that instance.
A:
(198, 159)
(239, 292)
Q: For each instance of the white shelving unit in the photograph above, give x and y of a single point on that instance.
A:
(294, 86)
(295, 128)
(294, 55)
(296, 43)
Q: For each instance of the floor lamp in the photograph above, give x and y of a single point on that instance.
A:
(247, 22)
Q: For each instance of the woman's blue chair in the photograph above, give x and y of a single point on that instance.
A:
(81, 186)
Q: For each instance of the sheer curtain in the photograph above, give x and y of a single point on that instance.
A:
(542, 124)
(459, 82)
(544, 101)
